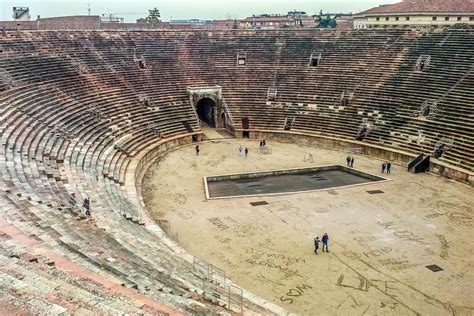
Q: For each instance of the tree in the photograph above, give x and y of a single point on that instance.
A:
(153, 16)
(235, 25)
(326, 22)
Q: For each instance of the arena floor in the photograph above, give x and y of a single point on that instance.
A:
(380, 244)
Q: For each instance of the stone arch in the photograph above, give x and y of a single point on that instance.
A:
(201, 95)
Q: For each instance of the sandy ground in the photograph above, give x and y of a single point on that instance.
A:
(379, 244)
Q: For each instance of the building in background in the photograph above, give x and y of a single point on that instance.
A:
(21, 14)
(275, 21)
(267, 21)
(417, 14)
(293, 19)
(344, 21)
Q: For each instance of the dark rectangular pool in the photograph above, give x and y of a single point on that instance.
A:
(285, 181)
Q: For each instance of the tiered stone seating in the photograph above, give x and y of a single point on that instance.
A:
(67, 130)
(73, 121)
(377, 68)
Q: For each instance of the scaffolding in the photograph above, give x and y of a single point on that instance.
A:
(428, 108)
(6, 80)
(215, 286)
(422, 62)
(288, 125)
(442, 146)
(363, 130)
(272, 94)
(79, 65)
(346, 98)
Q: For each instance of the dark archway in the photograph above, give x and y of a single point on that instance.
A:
(205, 109)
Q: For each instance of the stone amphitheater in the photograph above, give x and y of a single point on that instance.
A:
(116, 116)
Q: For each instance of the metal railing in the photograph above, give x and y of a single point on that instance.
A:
(215, 287)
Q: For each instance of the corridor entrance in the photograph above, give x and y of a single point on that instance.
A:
(205, 109)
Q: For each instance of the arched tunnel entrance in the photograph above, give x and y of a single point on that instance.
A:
(205, 109)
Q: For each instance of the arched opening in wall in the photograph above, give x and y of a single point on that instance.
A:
(205, 109)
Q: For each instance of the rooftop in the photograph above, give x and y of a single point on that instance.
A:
(424, 6)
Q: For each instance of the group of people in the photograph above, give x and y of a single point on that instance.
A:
(242, 150)
(262, 146)
(324, 240)
(246, 151)
(350, 161)
(386, 166)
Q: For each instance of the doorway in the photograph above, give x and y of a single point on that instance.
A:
(205, 109)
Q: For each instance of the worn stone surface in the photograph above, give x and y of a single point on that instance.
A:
(379, 244)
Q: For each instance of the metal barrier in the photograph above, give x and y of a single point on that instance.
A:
(215, 287)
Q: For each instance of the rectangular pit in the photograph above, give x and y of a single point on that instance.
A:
(285, 181)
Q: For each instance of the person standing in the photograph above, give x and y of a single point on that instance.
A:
(316, 245)
(246, 151)
(352, 162)
(86, 207)
(197, 150)
(348, 161)
(384, 165)
(325, 241)
(389, 167)
(263, 143)
(240, 150)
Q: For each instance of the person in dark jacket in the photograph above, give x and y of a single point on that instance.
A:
(389, 167)
(325, 241)
(316, 245)
(86, 206)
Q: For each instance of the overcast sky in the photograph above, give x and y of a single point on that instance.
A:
(183, 9)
